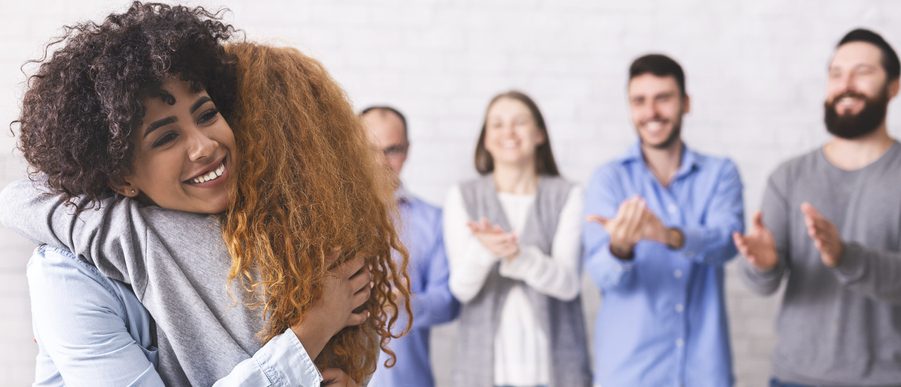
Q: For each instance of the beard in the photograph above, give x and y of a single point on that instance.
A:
(851, 126)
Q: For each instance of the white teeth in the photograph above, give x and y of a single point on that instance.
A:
(213, 175)
(654, 126)
(847, 101)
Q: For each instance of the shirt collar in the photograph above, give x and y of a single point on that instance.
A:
(688, 164)
(401, 195)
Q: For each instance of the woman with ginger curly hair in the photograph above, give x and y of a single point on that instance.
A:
(140, 130)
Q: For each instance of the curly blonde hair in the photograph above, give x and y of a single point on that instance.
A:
(309, 184)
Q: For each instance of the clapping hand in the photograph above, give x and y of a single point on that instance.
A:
(500, 243)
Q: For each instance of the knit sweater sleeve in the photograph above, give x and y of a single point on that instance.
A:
(557, 274)
(469, 261)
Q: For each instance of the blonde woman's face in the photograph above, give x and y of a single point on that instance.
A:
(511, 134)
(184, 154)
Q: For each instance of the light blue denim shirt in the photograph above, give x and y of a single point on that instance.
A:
(420, 229)
(663, 320)
(93, 331)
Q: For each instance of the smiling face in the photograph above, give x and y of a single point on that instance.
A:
(511, 133)
(657, 106)
(858, 91)
(184, 152)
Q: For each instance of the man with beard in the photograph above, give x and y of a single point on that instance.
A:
(664, 215)
(831, 228)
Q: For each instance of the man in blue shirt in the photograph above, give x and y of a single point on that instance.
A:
(664, 215)
(419, 225)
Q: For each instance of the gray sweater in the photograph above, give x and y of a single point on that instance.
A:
(841, 326)
(176, 263)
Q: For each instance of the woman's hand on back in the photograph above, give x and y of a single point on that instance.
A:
(346, 288)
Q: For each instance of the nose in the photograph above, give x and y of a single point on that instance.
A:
(648, 110)
(844, 83)
(201, 146)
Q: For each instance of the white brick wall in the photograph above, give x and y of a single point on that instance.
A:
(756, 72)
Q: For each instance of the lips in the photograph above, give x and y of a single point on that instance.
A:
(209, 175)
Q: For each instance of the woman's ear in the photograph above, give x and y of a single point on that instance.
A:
(126, 189)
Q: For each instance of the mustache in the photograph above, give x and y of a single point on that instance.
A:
(652, 119)
(851, 94)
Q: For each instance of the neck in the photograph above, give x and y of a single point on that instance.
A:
(857, 153)
(663, 163)
(515, 180)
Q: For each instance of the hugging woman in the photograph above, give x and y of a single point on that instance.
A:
(228, 238)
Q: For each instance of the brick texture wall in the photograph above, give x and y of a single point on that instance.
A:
(755, 71)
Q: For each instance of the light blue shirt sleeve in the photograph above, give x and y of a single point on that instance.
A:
(93, 331)
(601, 198)
(435, 305)
(80, 324)
(712, 243)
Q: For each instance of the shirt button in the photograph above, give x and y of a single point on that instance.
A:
(679, 308)
(672, 208)
(677, 274)
(679, 343)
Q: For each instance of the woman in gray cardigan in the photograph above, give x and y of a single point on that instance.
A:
(513, 246)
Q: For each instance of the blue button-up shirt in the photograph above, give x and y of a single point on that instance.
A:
(420, 229)
(663, 321)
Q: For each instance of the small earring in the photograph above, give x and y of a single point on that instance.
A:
(134, 191)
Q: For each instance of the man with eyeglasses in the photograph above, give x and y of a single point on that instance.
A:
(419, 225)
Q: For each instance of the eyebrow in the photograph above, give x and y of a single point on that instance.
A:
(200, 101)
(158, 124)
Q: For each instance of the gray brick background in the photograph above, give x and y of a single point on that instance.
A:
(755, 69)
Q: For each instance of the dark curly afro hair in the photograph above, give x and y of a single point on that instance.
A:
(83, 104)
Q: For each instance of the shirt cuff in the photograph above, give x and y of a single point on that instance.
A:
(285, 362)
(851, 265)
(693, 243)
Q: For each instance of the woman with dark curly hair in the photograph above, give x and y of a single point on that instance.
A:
(127, 118)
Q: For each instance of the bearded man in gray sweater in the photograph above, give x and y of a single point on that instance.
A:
(831, 229)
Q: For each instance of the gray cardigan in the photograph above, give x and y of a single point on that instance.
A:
(479, 318)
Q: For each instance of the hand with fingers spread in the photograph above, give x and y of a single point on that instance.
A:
(824, 234)
(346, 288)
(634, 222)
(334, 377)
(500, 243)
(758, 245)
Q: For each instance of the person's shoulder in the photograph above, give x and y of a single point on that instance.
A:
(423, 208)
(59, 271)
(612, 167)
(797, 164)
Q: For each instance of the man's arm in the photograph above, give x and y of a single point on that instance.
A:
(435, 305)
(608, 271)
(765, 247)
(712, 243)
